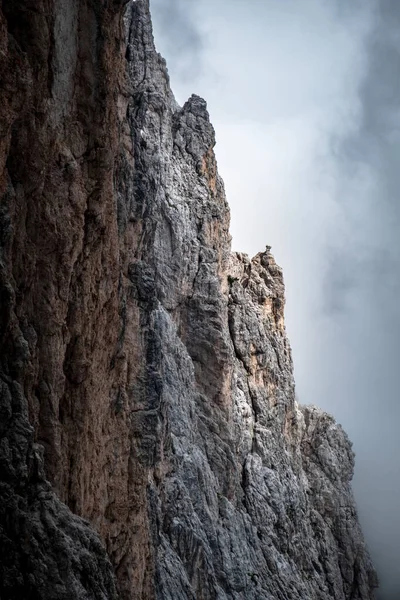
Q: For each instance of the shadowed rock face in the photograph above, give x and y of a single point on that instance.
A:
(151, 445)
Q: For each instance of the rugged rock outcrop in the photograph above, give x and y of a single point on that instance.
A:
(151, 445)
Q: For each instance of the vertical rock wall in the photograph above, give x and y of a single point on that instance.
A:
(151, 445)
(60, 66)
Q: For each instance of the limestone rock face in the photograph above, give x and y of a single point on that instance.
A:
(151, 445)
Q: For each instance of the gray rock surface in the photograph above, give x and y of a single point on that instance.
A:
(254, 500)
(147, 380)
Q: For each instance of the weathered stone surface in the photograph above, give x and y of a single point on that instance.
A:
(146, 377)
(60, 64)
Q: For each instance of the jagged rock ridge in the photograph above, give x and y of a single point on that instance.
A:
(151, 445)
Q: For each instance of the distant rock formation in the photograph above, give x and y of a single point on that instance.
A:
(150, 443)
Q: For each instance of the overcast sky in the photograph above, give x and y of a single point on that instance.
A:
(305, 99)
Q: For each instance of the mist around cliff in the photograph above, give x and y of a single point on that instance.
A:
(305, 101)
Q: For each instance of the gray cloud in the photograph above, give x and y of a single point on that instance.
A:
(177, 33)
(371, 152)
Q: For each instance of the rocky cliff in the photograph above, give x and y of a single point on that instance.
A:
(150, 443)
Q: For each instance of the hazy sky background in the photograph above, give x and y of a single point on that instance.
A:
(305, 99)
